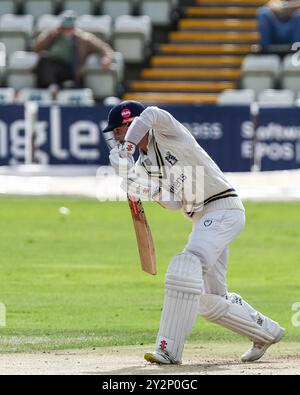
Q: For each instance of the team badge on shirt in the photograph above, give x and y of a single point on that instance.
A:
(171, 158)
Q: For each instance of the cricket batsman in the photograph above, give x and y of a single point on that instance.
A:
(183, 176)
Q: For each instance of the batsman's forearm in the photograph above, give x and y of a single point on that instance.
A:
(138, 129)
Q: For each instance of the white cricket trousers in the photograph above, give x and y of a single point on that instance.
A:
(210, 238)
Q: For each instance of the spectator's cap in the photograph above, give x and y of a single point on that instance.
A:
(123, 113)
(68, 19)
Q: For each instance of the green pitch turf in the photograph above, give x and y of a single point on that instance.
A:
(74, 281)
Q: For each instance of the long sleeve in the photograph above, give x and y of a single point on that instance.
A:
(45, 40)
(95, 45)
(152, 118)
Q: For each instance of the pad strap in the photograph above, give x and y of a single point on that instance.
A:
(234, 313)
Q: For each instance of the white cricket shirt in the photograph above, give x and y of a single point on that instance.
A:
(178, 164)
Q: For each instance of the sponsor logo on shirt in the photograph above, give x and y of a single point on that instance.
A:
(171, 158)
(178, 184)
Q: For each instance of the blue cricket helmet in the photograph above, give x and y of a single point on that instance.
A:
(123, 113)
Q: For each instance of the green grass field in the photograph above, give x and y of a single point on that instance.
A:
(74, 281)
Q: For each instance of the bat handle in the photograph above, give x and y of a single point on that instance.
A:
(134, 204)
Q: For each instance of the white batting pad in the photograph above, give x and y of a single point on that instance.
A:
(234, 313)
(184, 286)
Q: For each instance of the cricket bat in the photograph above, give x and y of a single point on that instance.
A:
(143, 236)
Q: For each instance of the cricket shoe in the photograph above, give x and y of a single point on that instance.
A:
(258, 350)
(161, 358)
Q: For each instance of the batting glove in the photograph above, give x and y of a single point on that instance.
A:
(126, 149)
(122, 165)
(139, 188)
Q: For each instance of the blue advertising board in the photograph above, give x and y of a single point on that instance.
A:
(12, 134)
(72, 135)
(278, 138)
(63, 135)
(218, 129)
(69, 135)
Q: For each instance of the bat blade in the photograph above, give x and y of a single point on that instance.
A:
(143, 236)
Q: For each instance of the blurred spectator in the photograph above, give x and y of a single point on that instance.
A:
(279, 23)
(63, 51)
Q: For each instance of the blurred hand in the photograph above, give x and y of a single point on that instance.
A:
(275, 5)
(106, 61)
(56, 31)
